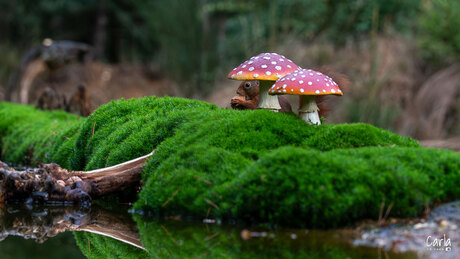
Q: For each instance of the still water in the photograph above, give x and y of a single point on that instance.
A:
(96, 232)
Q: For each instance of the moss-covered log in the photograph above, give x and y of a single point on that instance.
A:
(256, 166)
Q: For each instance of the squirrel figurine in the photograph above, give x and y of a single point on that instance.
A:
(247, 97)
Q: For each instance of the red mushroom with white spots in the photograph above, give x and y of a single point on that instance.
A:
(307, 83)
(267, 68)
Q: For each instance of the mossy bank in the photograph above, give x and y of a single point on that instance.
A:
(255, 166)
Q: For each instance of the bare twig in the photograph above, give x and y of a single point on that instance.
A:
(172, 196)
(211, 203)
(92, 132)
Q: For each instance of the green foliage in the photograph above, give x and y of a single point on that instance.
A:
(439, 35)
(8, 63)
(253, 165)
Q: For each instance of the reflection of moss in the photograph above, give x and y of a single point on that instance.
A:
(176, 239)
(251, 165)
(96, 246)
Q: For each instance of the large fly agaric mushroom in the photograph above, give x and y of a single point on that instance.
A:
(309, 84)
(266, 68)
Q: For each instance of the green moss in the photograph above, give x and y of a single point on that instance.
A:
(29, 136)
(257, 166)
(302, 187)
(137, 125)
(187, 178)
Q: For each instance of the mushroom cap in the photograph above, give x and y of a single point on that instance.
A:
(265, 66)
(305, 82)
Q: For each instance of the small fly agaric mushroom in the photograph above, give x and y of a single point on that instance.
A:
(309, 84)
(267, 68)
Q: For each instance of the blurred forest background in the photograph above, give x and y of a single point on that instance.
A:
(402, 56)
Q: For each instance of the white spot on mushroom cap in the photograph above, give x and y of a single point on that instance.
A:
(293, 79)
(250, 62)
(274, 62)
(301, 90)
(268, 73)
(333, 90)
(292, 90)
(284, 86)
(255, 75)
(317, 91)
(243, 66)
(310, 83)
(284, 90)
(289, 66)
(267, 58)
(233, 75)
(324, 91)
(263, 66)
(278, 68)
(282, 60)
(251, 68)
(239, 73)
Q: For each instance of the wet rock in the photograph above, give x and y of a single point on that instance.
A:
(438, 237)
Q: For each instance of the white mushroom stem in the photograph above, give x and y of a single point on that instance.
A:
(309, 110)
(267, 101)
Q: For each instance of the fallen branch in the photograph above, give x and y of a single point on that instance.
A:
(52, 184)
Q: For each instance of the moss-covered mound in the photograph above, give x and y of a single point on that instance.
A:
(256, 165)
(29, 136)
(302, 187)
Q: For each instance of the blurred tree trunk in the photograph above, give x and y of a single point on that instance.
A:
(100, 31)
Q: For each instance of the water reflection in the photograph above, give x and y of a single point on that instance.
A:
(43, 222)
(113, 233)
